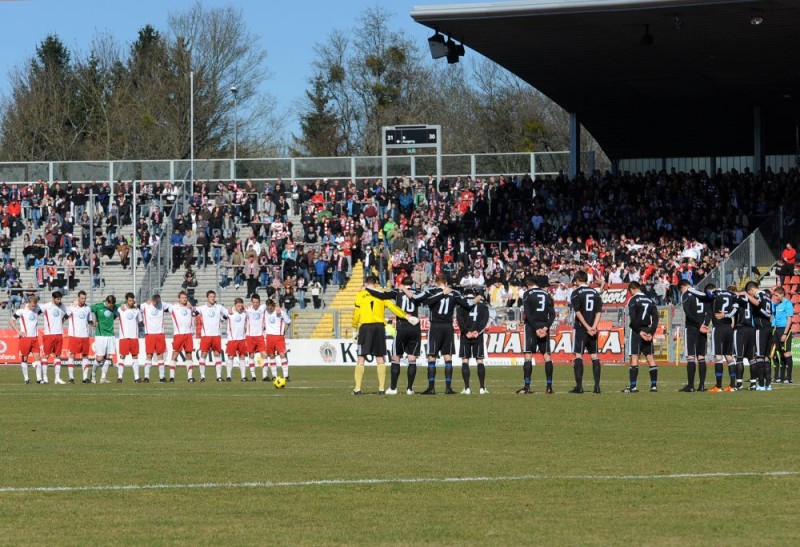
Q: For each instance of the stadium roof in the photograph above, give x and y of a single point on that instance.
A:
(691, 93)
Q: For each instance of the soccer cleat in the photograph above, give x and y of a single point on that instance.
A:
(382, 392)
(761, 388)
(715, 389)
(576, 389)
(45, 382)
(355, 392)
(189, 380)
(524, 390)
(653, 389)
(631, 389)
(84, 381)
(228, 379)
(104, 381)
(172, 380)
(267, 379)
(686, 389)
(483, 391)
(243, 380)
(218, 379)
(391, 392)
(27, 382)
(147, 380)
(137, 381)
(409, 392)
(729, 389)
(202, 380)
(288, 379)
(429, 391)
(72, 380)
(596, 390)
(549, 390)
(59, 381)
(787, 381)
(701, 388)
(466, 391)
(449, 391)
(768, 388)
(119, 380)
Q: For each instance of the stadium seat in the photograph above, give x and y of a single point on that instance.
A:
(795, 280)
(795, 298)
(796, 309)
(796, 328)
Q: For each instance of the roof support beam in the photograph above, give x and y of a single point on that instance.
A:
(574, 145)
(759, 157)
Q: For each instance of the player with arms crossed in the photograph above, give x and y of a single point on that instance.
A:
(643, 317)
(212, 315)
(442, 302)
(28, 332)
(697, 310)
(587, 305)
(539, 313)
(55, 313)
(236, 348)
(79, 343)
(183, 315)
(276, 319)
(155, 342)
(129, 318)
(370, 332)
(472, 322)
(256, 343)
(408, 338)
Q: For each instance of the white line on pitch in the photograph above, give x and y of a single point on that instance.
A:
(417, 480)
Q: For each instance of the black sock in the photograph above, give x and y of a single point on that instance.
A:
(578, 369)
(732, 372)
(411, 373)
(548, 372)
(527, 371)
(718, 368)
(691, 368)
(633, 373)
(653, 375)
(465, 373)
(781, 373)
(482, 374)
(739, 371)
(431, 374)
(448, 373)
(702, 369)
(596, 372)
(762, 369)
(395, 374)
(789, 365)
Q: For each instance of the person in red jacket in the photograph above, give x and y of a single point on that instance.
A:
(789, 256)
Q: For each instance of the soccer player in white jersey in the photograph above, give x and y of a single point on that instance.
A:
(79, 343)
(256, 343)
(55, 313)
(236, 348)
(276, 321)
(212, 315)
(183, 315)
(155, 343)
(28, 332)
(129, 318)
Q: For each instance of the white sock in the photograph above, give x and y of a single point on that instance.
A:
(265, 369)
(229, 365)
(24, 367)
(106, 364)
(71, 369)
(172, 371)
(285, 367)
(57, 371)
(252, 366)
(44, 372)
(274, 367)
(202, 369)
(147, 366)
(218, 368)
(135, 367)
(37, 366)
(120, 369)
(189, 368)
(243, 367)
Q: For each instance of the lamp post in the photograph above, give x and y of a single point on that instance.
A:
(235, 91)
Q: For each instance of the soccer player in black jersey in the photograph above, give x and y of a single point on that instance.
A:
(724, 310)
(697, 310)
(408, 339)
(472, 322)
(587, 305)
(539, 312)
(760, 312)
(643, 317)
(744, 336)
(442, 302)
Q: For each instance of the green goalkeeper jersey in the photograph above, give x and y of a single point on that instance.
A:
(104, 318)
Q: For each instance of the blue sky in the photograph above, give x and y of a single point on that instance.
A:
(288, 29)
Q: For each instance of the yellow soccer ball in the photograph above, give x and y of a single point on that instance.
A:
(279, 382)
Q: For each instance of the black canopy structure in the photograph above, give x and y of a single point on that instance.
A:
(650, 78)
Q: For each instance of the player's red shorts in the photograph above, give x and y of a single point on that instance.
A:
(155, 344)
(128, 346)
(276, 344)
(28, 345)
(183, 342)
(52, 345)
(80, 346)
(236, 347)
(256, 344)
(211, 343)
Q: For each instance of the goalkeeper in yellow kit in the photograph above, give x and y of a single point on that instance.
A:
(368, 326)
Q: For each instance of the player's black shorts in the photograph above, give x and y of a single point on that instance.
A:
(723, 339)
(408, 342)
(583, 342)
(471, 348)
(440, 340)
(372, 340)
(695, 342)
(534, 344)
(637, 346)
(744, 343)
(763, 341)
(786, 345)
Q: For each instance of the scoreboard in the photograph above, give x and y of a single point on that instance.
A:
(416, 135)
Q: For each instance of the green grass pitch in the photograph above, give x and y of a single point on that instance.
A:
(312, 464)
